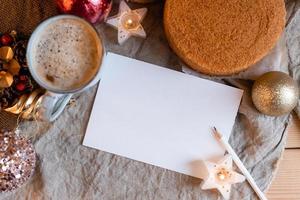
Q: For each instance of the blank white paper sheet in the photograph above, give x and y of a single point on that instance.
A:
(159, 116)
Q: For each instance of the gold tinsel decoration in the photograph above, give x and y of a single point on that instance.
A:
(275, 93)
(27, 104)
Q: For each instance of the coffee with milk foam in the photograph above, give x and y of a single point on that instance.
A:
(67, 54)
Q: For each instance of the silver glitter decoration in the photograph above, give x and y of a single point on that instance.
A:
(17, 160)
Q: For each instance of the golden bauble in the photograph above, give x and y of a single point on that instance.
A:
(275, 93)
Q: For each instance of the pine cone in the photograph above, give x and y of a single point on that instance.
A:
(1, 67)
(7, 98)
(24, 78)
(20, 52)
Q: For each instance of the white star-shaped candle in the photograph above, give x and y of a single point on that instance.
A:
(128, 22)
(220, 176)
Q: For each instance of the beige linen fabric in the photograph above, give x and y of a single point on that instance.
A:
(68, 170)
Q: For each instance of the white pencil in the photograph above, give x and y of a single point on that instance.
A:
(239, 164)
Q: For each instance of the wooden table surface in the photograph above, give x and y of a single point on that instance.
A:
(286, 185)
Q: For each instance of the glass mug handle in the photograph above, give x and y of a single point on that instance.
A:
(51, 105)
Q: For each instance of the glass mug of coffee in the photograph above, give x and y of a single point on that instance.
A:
(64, 55)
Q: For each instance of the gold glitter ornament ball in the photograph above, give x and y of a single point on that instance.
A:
(275, 93)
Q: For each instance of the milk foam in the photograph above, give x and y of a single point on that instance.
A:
(67, 54)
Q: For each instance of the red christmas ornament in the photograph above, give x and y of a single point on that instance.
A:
(6, 39)
(20, 86)
(92, 10)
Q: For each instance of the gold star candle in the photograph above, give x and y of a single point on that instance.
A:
(128, 22)
(223, 174)
(219, 175)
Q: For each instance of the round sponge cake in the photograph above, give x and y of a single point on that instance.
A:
(223, 37)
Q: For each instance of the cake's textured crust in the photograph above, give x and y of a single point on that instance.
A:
(223, 37)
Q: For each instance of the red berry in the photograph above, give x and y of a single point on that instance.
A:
(20, 86)
(23, 78)
(6, 39)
